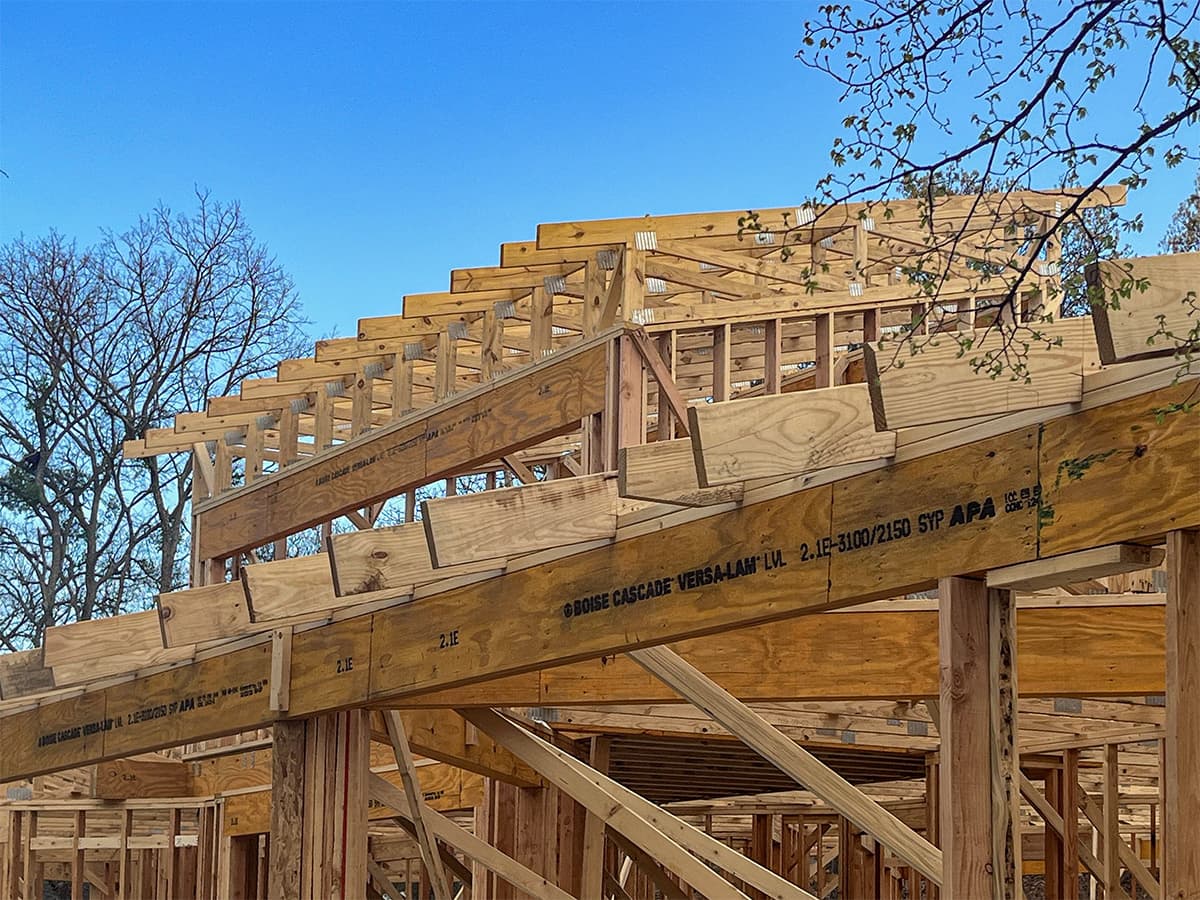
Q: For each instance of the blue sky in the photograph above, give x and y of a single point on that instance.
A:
(375, 146)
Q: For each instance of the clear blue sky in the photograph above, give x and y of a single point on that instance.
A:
(376, 146)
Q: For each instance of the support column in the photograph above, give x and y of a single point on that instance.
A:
(287, 809)
(335, 762)
(1181, 850)
(979, 784)
(592, 877)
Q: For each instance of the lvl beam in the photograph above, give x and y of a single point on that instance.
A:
(685, 576)
(493, 420)
(1087, 650)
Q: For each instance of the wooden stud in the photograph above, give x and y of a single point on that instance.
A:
(631, 395)
(824, 351)
(591, 877)
(667, 390)
(980, 836)
(446, 366)
(772, 356)
(872, 325)
(633, 281)
(1181, 856)
(78, 855)
(721, 377)
(1111, 822)
(541, 323)
(491, 346)
(594, 292)
(402, 385)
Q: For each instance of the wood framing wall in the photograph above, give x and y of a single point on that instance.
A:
(712, 598)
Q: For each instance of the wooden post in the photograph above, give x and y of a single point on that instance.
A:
(721, 353)
(1069, 797)
(594, 292)
(1053, 844)
(593, 830)
(402, 385)
(287, 809)
(1181, 850)
(824, 351)
(772, 356)
(1112, 824)
(541, 323)
(980, 830)
(333, 852)
(631, 392)
(446, 366)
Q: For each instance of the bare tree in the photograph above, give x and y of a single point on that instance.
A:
(97, 345)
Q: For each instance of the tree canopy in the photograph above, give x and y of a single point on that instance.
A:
(98, 344)
(984, 96)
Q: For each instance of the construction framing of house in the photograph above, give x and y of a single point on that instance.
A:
(790, 612)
